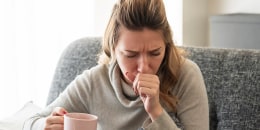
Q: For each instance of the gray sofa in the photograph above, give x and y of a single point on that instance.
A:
(232, 78)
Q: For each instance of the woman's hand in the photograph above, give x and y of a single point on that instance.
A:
(55, 121)
(148, 87)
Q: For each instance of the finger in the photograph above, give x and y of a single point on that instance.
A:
(147, 92)
(147, 84)
(132, 77)
(145, 80)
(55, 127)
(149, 77)
(59, 111)
(54, 120)
(145, 88)
(136, 84)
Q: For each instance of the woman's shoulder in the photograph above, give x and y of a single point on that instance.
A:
(189, 66)
(190, 80)
(100, 69)
(189, 71)
(91, 75)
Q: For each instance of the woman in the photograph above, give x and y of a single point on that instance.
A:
(144, 82)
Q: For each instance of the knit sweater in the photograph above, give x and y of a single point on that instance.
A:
(102, 92)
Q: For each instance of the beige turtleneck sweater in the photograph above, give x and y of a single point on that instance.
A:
(101, 91)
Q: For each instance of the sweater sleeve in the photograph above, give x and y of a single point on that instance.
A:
(192, 109)
(164, 122)
(71, 99)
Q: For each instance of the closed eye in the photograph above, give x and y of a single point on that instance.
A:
(155, 52)
(130, 54)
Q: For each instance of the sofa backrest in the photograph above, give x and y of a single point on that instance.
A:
(231, 76)
(78, 56)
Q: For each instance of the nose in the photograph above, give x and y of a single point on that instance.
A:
(143, 64)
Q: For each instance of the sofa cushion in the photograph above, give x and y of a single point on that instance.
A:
(232, 81)
(78, 56)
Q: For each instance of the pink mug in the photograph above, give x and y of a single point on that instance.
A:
(80, 121)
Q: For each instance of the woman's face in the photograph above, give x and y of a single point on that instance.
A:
(139, 52)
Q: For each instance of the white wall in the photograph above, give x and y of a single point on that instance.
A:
(103, 9)
(174, 14)
(218, 7)
(196, 16)
(233, 6)
(195, 22)
(33, 34)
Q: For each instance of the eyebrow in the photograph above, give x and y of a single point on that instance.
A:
(154, 50)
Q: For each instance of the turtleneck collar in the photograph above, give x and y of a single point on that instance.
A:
(124, 92)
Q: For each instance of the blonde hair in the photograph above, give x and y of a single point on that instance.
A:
(137, 15)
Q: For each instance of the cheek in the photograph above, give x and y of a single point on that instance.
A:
(156, 63)
(125, 65)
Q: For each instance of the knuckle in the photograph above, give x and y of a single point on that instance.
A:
(48, 120)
